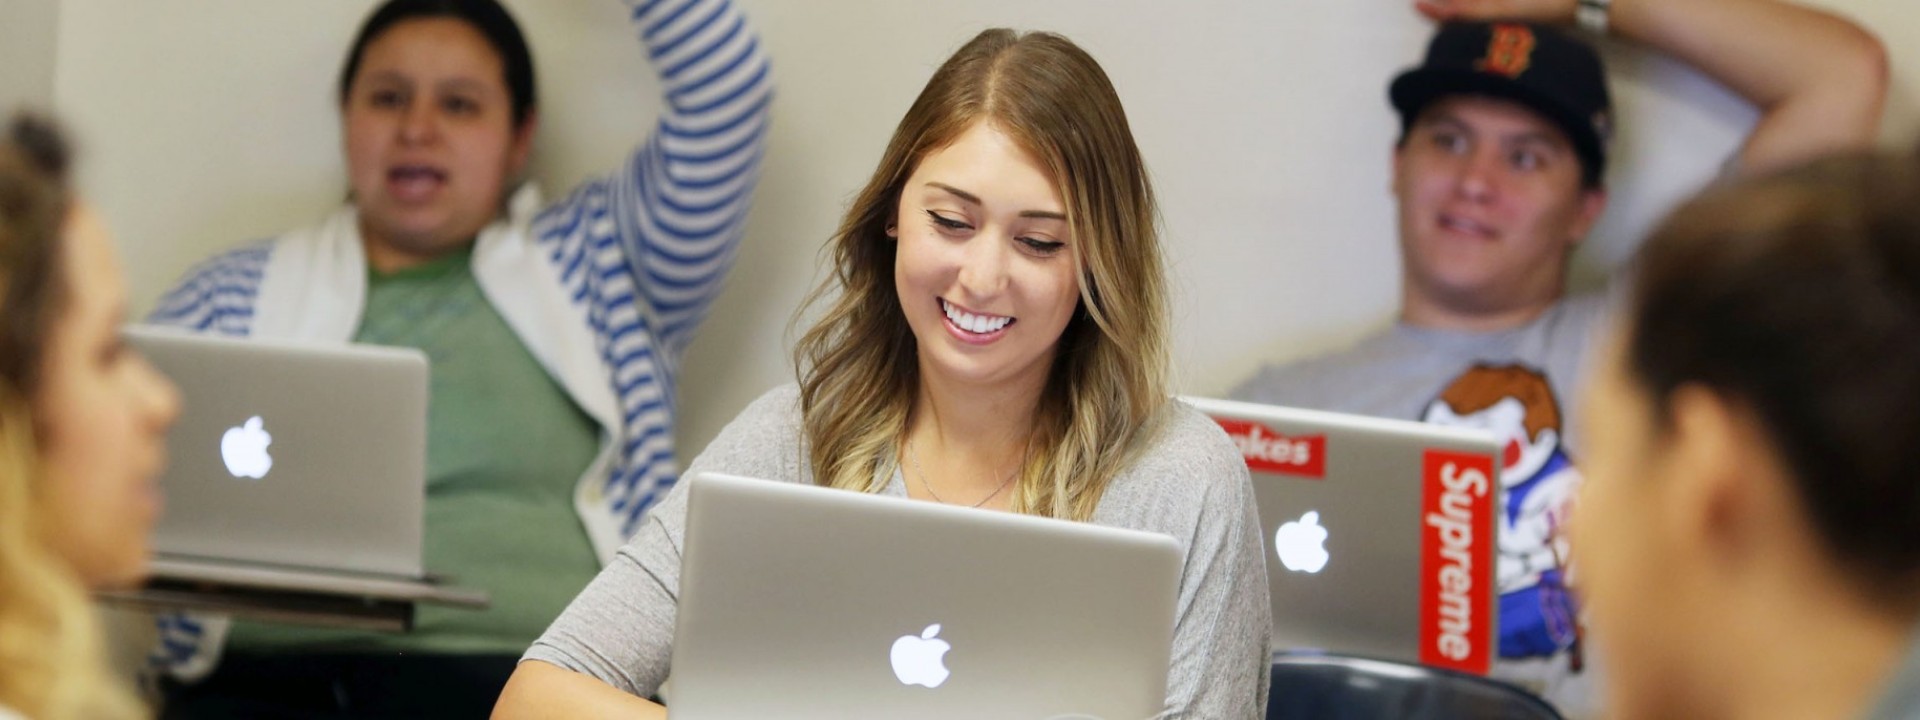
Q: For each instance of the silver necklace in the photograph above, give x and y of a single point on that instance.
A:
(914, 458)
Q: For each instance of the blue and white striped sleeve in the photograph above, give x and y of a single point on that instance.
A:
(217, 296)
(680, 203)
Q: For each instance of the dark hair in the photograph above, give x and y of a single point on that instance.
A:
(1797, 295)
(486, 16)
(33, 210)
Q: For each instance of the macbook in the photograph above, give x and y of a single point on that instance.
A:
(1379, 533)
(292, 455)
(805, 602)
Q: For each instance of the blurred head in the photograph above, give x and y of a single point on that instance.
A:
(437, 104)
(82, 427)
(1498, 169)
(96, 412)
(1751, 431)
(1007, 235)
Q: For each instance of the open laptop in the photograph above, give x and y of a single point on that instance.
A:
(290, 458)
(1380, 533)
(805, 602)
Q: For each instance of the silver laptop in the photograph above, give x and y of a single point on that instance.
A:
(290, 455)
(1379, 533)
(805, 602)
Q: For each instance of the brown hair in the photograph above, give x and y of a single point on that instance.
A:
(33, 211)
(1108, 383)
(1797, 294)
(51, 665)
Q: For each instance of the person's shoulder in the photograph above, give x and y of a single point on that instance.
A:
(1590, 307)
(1576, 318)
(1301, 382)
(762, 441)
(1189, 437)
(237, 271)
(782, 400)
(1189, 455)
(248, 258)
(775, 412)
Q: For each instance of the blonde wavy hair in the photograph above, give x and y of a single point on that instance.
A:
(51, 650)
(1108, 386)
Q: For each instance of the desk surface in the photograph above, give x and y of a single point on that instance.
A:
(293, 595)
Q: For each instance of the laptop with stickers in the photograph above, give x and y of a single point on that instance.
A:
(804, 602)
(1380, 533)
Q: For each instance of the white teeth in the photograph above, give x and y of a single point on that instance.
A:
(978, 324)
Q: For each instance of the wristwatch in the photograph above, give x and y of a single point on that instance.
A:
(1592, 15)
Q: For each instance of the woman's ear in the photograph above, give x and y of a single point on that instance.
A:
(1721, 468)
(521, 148)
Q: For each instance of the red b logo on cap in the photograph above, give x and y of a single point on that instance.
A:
(1509, 52)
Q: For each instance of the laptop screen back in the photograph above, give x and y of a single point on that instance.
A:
(302, 455)
(1380, 533)
(804, 602)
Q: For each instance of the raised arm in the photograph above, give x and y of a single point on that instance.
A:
(1819, 80)
(680, 203)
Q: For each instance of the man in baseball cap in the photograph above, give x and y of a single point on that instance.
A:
(1498, 174)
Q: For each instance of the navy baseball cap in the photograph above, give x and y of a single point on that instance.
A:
(1542, 68)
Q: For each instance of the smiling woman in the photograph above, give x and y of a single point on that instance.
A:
(994, 336)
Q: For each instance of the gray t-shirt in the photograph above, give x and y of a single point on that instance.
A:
(1398, 372)
(1190, 484)
(1521, 384)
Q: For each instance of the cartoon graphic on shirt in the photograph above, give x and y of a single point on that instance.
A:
(1537, 614)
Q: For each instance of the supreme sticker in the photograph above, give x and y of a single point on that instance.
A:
(1456, 561)
(1271, 452)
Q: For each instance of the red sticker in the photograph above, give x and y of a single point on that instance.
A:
(1272, 452)
(1456, 561)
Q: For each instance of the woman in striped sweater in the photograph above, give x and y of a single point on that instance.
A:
(555, 331)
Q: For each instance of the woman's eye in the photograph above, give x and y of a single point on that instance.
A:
(1041, 247)
(947, 222)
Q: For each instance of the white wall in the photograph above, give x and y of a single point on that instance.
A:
(26, 51)
(1265, 124)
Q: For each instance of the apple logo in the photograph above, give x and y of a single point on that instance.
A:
(919, 660)
(1300, 544)
(244, 449)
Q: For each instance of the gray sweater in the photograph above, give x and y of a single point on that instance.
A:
(1190, 485)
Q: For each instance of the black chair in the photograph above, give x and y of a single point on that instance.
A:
(1334, 687)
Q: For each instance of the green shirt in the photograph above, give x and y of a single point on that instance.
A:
(505, 448)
